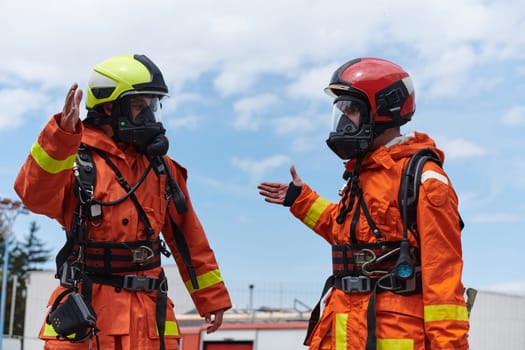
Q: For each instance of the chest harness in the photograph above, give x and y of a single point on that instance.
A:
(393, 266)
(82, 259)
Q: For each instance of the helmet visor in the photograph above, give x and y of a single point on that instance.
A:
(347, 115)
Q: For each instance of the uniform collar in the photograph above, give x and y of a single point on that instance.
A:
(399, 147)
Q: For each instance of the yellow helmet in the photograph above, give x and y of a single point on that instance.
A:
(123, 75)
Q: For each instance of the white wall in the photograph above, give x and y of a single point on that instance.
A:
(41, 284)
(497, 320)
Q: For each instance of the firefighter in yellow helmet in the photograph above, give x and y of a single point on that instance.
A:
(393, 286)
(108, 181)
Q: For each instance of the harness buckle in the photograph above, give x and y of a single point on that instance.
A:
(142, 254)
(363, 257)
(356, 284)
(139, 283)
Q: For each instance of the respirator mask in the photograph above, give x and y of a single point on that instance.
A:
(351, 132)
(139, 123)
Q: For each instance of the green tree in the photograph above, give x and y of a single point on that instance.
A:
(25, 256)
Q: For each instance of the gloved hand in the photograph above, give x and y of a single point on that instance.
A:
(276, 192)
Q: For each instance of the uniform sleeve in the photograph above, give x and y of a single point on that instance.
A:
(316, 212)
(445, 313)
(44, 183)
(211, 294)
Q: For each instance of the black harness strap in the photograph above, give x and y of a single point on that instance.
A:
(160, 314)
(316, 312)
(184, 252)
(149, 230)
(409, 188)
(176, 194)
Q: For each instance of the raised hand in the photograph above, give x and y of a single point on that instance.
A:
(71, 112)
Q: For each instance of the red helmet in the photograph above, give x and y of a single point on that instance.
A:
(377, 92)
(387, 88)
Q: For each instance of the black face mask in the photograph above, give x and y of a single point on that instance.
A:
(349, 147)
(145, 134)
(346, 139)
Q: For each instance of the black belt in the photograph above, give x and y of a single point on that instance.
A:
(388, 282)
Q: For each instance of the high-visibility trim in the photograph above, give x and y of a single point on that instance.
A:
(49, 331)
(49, 164)
(206, 280)
(395, 344)
(315, 211)
(341, 322)
(170, 328)
(445, 313)
(431, 174)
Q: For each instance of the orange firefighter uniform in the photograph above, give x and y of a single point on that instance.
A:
(126, 319)
(435, 318)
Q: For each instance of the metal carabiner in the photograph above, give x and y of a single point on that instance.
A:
(367, 272)
(142, 254)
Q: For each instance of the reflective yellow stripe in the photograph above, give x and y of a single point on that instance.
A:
(49, 164)
(170, 328)
(341, 321)
(205, 280)
(445, 313)
(395, 344)
(49, 331)
(315, 211)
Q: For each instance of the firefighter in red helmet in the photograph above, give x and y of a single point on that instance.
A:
(396, 247)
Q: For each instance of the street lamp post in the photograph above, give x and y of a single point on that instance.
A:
(9, 210)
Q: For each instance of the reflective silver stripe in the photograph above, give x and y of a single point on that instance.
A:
(431, 174)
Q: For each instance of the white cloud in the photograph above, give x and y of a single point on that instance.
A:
(240, 45)
(310, 84)
(461, 148)
(248, 110)
(515, 116)
(256, 169)
(15, 103)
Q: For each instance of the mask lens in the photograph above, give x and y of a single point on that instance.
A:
(346, 115)
(144, 109)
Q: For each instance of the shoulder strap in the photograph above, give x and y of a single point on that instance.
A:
(177, 196)
(85, 171)
(85, 181)
(409, 189)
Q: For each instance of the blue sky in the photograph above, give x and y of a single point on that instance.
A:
(246, 83)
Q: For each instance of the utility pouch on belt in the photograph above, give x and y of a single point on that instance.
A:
(72, 319)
